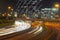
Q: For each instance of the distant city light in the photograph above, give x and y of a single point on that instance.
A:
(9, 7)
(3, 14)
(9, 14)
(15, 15)
(57, 5)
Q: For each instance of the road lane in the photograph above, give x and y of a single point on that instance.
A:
(45, 34)
(33, 34)
(21, 25)
(25, 36)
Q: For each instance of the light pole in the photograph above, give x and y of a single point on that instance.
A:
(57, 6)
(10, 12)
(9, 7)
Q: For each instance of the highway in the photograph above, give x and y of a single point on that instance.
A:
(30, 34)
(33, 33)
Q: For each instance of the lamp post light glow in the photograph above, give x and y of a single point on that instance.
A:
(15, 15)
(57, 5)
(3, 14)
(9, 14)
(9, 7)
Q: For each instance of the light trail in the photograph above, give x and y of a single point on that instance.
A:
(33, 30)
(22, 26)
(39, 30)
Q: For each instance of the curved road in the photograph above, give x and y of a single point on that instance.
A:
(38, 33)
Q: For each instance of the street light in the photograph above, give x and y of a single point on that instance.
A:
(3, 14)
(57, 5)
(9, 14)
(9, 7)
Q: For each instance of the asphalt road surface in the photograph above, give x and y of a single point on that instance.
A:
(32, 34)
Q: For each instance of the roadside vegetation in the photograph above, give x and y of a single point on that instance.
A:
(6, 22)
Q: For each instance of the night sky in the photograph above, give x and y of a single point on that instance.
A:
(5, 3)
(49, 3)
